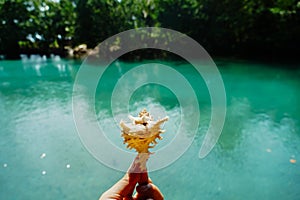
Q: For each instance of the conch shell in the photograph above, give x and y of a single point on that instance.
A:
(142, 132)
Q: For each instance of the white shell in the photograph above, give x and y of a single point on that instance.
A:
(143, 131)
(143, 126)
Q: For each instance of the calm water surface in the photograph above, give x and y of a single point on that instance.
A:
(257, 156)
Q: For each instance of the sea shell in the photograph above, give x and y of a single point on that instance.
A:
(142, 132)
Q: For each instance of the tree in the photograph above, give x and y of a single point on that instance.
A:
(96, 20)
(13, 18)
(52, 23)
(227, 27)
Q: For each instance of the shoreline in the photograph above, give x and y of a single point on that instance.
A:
(81, 52)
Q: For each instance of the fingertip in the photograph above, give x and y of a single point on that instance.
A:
(149, 191)
(143, 189)
(144, 179)
(133, 178)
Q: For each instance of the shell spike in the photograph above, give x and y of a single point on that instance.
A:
(142, 132)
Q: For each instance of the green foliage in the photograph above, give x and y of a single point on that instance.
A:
(96, 20)
(99, 19)
(222, 27)
(13, 18)
(46, 23)
(52, 23)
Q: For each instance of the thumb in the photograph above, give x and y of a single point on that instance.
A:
(148, 191)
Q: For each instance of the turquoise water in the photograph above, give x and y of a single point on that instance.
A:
(256, 157)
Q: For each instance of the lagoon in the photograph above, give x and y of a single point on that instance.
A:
(256, 157)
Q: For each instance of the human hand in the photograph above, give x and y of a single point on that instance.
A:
(124, 188)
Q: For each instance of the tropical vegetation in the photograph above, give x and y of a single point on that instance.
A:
(223, 27)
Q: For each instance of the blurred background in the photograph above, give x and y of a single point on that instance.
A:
(262, 28)
(255, 45)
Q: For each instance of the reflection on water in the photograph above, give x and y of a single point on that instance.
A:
(257, 156)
